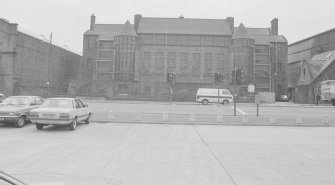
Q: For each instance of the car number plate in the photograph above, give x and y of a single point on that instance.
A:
(1, 119)
(48, 115)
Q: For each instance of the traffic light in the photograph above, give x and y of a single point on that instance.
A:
(174, 78)
(216, 78)
(221, 77)
(171, 78)
(239, 76)
(168, 78)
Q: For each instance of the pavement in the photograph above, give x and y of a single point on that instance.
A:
(121, 154)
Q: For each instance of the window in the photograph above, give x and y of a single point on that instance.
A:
(159, 39)
(172, 56)
(159, 60)
(106, 54)
(90, 43)
(261, 49)
(172, 39)
(147, 39)
(183, 40)
(183, 61)
(147, 89)
(208, 40)
(208, 62)
(106, 44)
(78, 105)
(38, 101)
(219, 41)
(220, 61)
(196, 62)
(147, 61)
(195, 40)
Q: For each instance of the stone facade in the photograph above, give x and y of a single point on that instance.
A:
(193, 49)
(28, 62)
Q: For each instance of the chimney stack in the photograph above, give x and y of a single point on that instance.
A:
(137, 19)
(92, 22)
(274, 26)
(230, 20)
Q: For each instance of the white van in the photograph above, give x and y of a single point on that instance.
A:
(206, 95)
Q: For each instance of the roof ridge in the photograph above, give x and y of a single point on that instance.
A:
(184, 18)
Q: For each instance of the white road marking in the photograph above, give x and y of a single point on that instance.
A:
(239, 110)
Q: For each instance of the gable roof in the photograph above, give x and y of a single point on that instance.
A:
(241, 32)
(184, 26)
(105, 31)
(127, 29)
(319, 63)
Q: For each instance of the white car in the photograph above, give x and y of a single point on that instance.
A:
(60, 111)
(208, 95)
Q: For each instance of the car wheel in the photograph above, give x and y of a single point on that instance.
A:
(225, 102)
(20, 122)
(73, 125)
(39, 126)
(87, 121)
(333, 102)
(204, 102)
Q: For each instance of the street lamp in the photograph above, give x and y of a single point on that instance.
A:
(48, 84)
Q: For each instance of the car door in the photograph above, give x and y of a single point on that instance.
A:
(84, 109)
(79, 110)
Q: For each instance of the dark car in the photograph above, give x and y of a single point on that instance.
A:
(283, 98)
(16, 109)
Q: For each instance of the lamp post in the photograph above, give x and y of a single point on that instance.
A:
(48, 84)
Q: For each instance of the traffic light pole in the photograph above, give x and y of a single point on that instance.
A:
(235, 80)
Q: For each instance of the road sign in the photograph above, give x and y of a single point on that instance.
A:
(251, 88)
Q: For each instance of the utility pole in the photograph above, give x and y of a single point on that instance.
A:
(48, 63)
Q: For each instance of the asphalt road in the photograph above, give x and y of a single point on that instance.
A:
(172, 154)
(311, 113)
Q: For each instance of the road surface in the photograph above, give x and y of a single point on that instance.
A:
(173, 154)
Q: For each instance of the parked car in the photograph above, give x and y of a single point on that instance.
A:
(15, 109)
(61, 111)
(283, 98)
(2, 97)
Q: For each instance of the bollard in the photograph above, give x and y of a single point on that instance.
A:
(219, 118)
(272, 120)
(245, 119)
(138, 116)
(111, 115)
(298, 120)
(165, 116)
(324, 120)
(191, 118)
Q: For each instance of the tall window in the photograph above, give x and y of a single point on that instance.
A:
(90, 43)
(196, 62)
(106, 54)
(208, 62)
(220, 61)
(172, 56)
(147, 61)
(183, 61)
(159, 64)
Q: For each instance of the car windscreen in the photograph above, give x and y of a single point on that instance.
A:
(16, 101)
(57, 103)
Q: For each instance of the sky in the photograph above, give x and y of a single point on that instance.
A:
(69, 19)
